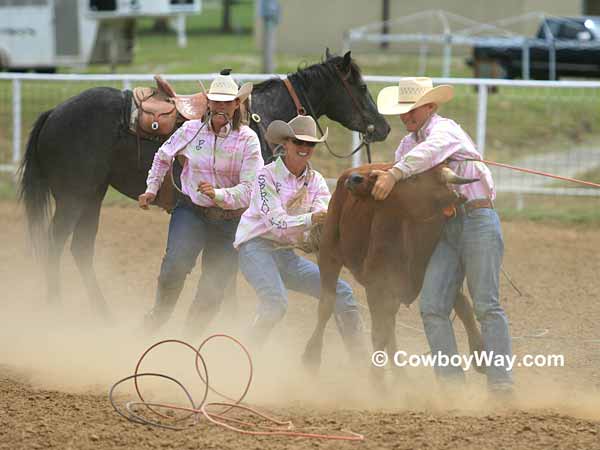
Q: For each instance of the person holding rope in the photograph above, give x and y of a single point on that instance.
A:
(471, 245)
(222, 156)
(289, 198)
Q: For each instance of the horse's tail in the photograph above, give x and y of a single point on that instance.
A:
(34, 189)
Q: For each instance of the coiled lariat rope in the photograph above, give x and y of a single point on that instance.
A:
(137, 411)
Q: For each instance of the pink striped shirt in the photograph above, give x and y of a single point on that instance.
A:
(270, 214)
(438, 140)
(229, 164)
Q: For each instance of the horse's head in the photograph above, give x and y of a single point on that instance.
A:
(348, 100)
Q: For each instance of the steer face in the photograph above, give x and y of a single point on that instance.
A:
(418, 197)
(360, 184)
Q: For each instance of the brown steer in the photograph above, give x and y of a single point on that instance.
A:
(386, 245)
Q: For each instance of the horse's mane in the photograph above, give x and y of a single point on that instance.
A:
(325, 69)
(315, 73)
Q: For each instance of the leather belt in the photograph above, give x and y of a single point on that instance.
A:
(478, 203)
(214, 213)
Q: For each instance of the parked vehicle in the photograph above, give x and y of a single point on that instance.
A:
(563, 46)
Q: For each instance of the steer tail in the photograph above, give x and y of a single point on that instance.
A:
(34, 190)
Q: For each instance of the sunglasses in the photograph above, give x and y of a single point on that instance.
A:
(300, 143)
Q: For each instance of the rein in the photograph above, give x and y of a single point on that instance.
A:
(258, 121)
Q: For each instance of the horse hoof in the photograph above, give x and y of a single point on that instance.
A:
(311, 363)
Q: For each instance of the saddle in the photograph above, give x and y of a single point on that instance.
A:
(155, 114)
(160, 111)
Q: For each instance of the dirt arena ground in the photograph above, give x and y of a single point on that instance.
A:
(56, 367)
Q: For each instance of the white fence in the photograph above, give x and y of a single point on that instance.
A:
(557, 105)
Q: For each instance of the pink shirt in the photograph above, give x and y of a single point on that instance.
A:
(270, 214)
(438, 140)
(229, 164)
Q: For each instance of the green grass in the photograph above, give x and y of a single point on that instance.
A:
(8, 189)
(520, 121)
(537, 208)
(589, 175)
(207, 51)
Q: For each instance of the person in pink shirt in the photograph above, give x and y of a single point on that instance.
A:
(288, 199)
(471, 245)
(222, 156)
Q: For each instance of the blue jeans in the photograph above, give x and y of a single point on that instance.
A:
(471, 246)
(190, 233)
(270, 271)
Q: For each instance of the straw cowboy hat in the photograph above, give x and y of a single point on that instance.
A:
(303, 128)
(410, 94)
(224, 88)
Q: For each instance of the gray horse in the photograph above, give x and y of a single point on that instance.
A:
(82, 146)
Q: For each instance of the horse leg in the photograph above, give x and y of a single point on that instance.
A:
(66, 215)
(329, 268)
(464, 311)
(82, 249)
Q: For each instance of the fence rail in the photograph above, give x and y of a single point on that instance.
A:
(557, 103)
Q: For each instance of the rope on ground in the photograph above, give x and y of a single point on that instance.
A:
(166, 415)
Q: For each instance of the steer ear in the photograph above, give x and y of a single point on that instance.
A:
(449, 176)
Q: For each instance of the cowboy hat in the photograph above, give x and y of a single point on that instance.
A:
(410, 94)
(224, 88)
(303, 128)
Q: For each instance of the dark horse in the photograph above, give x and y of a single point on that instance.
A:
(82, 146)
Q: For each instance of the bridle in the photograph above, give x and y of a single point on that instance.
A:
(300, 110)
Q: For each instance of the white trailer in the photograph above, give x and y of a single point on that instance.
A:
(41, 35)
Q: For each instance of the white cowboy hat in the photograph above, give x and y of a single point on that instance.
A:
(303, 128)
(224, 88)
(410, 94)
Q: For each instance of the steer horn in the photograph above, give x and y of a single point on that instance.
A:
(450, 177)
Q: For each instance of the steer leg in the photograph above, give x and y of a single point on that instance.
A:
(392, 344)
(383, 311)
(329, 268)
(464, 311)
